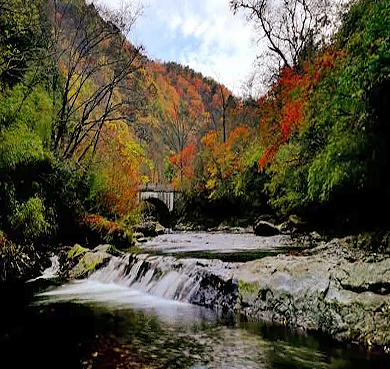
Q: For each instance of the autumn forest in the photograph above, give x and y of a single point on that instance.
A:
(86, 118)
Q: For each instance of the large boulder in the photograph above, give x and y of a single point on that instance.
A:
(149, 229)
(86, 261)
(331, 289)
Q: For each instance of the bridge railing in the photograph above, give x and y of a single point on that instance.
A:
(156, 187)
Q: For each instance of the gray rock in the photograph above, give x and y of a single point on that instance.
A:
(142, 240)
(149, 229)
(160, 229)
(264, 228)
(138, 235)
(109, 249)
(322, 291)
(266, 217)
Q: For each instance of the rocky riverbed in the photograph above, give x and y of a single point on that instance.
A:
(333, 287)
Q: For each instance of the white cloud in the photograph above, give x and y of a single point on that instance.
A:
(189, 26)
(175, 22)
(202, 34)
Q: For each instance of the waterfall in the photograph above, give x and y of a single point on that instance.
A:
(160, 276)
(50, 272)
(204, 282)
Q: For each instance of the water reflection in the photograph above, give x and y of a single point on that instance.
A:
(170, 334)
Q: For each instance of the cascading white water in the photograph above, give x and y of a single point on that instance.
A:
(53, 270)
(165, 276)
(162, 284)
(50, 272)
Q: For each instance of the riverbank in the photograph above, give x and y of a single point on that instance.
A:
(334, 287)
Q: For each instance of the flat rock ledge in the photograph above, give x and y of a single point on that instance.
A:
(330, 289)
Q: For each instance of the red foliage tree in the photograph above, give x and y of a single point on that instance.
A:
(283, 108)
(183, 165)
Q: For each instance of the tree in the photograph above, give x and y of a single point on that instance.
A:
(25, 60)
(22, 38)
(218, 107)
(116, 170)
(224, 163)
(97, 64)
(182, 167)
(292, 28)
(178, 128)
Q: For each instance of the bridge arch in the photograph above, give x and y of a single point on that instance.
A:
(163, 198)
(165, 193)
(162, 212)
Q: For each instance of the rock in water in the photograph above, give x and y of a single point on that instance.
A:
(160, 229)
(90, 260)
(263, 228)
(148, 229)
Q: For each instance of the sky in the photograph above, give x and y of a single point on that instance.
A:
(201, 34)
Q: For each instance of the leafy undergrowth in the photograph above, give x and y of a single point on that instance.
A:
(98, 229)
(15, 261)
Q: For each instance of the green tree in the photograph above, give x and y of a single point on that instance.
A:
(23, 38)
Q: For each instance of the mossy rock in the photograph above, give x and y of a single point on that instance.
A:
(160, 229)
(90, 262)
(248, 287)
(76, 251)
(109, 249)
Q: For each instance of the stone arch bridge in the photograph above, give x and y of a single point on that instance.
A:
(156, 192)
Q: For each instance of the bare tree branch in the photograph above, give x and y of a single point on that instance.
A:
(99, 61)
(290, 27)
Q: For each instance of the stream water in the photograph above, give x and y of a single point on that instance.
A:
(136, 312)
(224, 246)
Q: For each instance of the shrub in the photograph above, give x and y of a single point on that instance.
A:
(99, 229)
(287, 187)
(15, 260)
(19, 146)
(29, 220)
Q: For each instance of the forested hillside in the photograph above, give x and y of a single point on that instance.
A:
(85, 118)
(68, 84)
(319, 147)
(185, 107)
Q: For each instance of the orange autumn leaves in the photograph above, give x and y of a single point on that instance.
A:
(183, 166)
(119, 158)
(223, 162)
(219, 161)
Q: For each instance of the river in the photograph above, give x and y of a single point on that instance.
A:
(138, 314)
